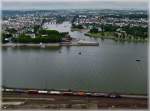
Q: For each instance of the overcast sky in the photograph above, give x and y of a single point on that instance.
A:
(74, 4)
(72, 0)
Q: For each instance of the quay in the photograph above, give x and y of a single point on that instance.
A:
(30, 45)
(44, 45)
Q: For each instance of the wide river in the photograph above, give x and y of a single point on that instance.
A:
(109, 67)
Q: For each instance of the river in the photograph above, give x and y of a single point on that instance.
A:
(109, 67)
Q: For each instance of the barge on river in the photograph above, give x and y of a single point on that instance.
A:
(88, 43)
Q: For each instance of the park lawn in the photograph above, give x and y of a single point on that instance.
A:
(101, 35)
(110, 35)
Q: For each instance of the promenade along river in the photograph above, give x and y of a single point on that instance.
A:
(109, 67)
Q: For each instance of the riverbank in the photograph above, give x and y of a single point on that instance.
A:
(44, 45)
(67, 99)
(80, 30)
(109, 35)
(30, 45)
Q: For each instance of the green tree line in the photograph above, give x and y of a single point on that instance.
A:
(44, 36)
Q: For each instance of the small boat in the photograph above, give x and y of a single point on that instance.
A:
(79, 53)
(59, 51)
(88, 43)
(43, 46)
(138, 60)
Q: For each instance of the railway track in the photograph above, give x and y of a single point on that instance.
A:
(71, 93)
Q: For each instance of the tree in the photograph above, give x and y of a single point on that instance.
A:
(94, 30)
(5, 36)
(110, 28)
(77, 26)
(23, 39)
(44, 36)
(36, 40)
(136, 31)
(11, 30)
(36, 28)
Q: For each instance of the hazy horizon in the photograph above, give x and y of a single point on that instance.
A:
(45, 5)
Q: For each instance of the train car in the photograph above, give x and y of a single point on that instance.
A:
(88, 94)
(32, 92)
(100, 94)
(9, 90)
(42, 92)
(20, 91)
(79, 93)
(67, 93)
(55, 92)
(113, 95)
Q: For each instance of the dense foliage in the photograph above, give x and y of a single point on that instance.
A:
(11, 30)
(5, 37)
(60, 19)
(23, 39)
(134, 31)
(45, 36)
(77, 26)
(109, 28)
(94, 30)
